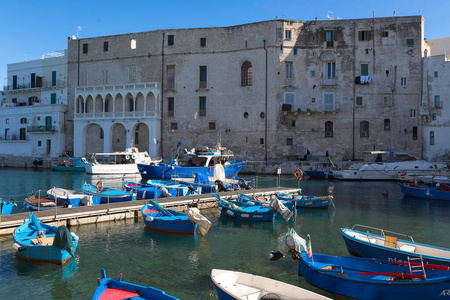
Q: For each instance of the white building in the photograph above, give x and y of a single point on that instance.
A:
(32, 117)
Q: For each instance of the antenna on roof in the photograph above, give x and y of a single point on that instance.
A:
(329, 13)
(79, 29)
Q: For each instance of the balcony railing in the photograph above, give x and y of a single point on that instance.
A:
(43, 85)
(119, 114)
(42, 128)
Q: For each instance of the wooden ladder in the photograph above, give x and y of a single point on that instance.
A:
(418, 267)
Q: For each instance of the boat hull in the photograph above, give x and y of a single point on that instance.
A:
(50, 254)
(424, 192)
(349, 282)
(178, 223)
(167, 171)
(6, 207)
(108, 195)
(359, 247)
(319, 174)
(111, 169)
(255, 213)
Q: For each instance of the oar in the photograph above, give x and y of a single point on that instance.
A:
(426, 266)
(158, 206)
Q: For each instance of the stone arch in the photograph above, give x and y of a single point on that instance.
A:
(80, 104)
(118, 136)
(109, 107)
(141, 137)
(89, 104)
(129, 102)
(139, 102)
(93, 136)
(98, 103)
(150, 102)
(118, 103)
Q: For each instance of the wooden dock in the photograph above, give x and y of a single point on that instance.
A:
(121, 210)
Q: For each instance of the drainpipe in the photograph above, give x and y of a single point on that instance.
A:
(354, 91)
(162, 98)
(266, 104)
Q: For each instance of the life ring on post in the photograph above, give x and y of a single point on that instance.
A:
(229, 151)
(99, 185)
(298, 174)
(404, 173)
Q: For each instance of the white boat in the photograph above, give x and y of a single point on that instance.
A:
(124, 162)
(238, 285)
(389, 165)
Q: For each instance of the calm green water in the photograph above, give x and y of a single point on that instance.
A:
(181, 265)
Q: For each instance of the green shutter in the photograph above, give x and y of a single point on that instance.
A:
(53, 98)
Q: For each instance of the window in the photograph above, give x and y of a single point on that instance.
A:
(364, 129)
(331, 70)
(131, 74)
(403, 81)
(431, 137)
(287, 34)
(246, 74)
(7, 134)
(39, 143)
(289, 70)
(295, 51)
(433, 116)
(246, 115)
(313, 73)
(102, 135)
(364, 69)
(328, 101)
(262, 115)
(203, 77)
(22, 134)
(410, 42)
(293, 123)
(385, 34)
(386, 100)
(359, 101)
(105, 77)
(105, 46)
(387, 124)
(436, 74)
(170, 40)
(53, 98)
(261, 141)
(133, 43)
(131, 104)
(33, 80)
(202, 42)
(53, 78)
(387, 72)
(289, 98)
(328, 129)
(170, 84)
(365, 35)
(85, 48)
(170, 107)
(413, 113)
(23, 121)
(414, 132)
(437, 101)
(106, 105)
(202, 105)
(212, 126)
(173, 126)
(289, 142)
(330, 37)
(7, 121)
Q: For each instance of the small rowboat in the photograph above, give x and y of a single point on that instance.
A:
(263, 200)
(307, 201)
(244, 211)
(106, 194)
(365, 278)
(116, 289)
(37, 202)
(237, 285)
(36, 241)
(439, 192)
(167, 220)
(368, 241)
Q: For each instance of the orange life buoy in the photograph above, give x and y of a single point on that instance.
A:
(403, 173)
(99, 185)
(229, 151)
(298, 174)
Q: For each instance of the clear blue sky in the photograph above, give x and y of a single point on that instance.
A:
(30, 28)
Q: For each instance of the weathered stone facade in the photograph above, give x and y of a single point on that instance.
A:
(232, 83)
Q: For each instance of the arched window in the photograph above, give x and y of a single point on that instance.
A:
(328, 129)
(364, 129)
(246, 74)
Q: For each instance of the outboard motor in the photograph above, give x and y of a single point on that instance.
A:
(220, 186)
(192, 191)
(243, 185)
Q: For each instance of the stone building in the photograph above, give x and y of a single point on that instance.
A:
(269, 90)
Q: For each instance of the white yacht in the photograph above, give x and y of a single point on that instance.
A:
(113, 163)
(389, 165)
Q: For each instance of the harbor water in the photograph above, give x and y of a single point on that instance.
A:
(181, 265)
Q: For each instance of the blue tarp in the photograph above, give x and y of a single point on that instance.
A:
(201, 178)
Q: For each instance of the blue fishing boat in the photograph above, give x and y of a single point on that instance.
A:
(208, 184)
(244, 211)
(106, 194)
(365, 278)
(194, 161)
(72, 164)
(263, 200)
(36, 241)
(6, 206)
(368, 241)
(160, 190)
(159, 218)
(437, 192)
(303, 201)
(116, 289)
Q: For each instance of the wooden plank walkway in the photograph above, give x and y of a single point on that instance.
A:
(119, 211)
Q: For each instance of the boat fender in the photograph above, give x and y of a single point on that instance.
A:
(149, 218)
(127, 157)
(298, 174)
(428, 192)
(230, 212)
(245, 215)
(18, 247)
(74, 236)
(134, 156)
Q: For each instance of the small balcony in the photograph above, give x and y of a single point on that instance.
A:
(41, 128)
